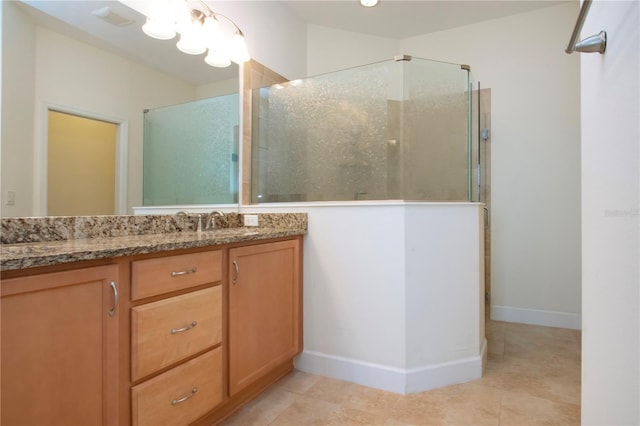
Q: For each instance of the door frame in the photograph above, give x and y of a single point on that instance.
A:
(41, 148)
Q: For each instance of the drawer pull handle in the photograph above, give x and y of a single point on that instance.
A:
(237, 270)
(116, 298)
(184, 398)
(187, 272)
(187, 328)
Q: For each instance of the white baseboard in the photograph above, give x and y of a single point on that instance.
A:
(536, 317)
(363, 373)
(392, 379)
(447, 373)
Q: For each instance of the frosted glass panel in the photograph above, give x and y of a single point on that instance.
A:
(323, 138)
(435, 131)
(391, 130)
(191, 153)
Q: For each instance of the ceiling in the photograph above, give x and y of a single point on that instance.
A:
(399, 19)
(395, 19)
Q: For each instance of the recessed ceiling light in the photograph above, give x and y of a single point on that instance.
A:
(368, 3)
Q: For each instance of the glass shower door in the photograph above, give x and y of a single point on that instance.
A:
(435, 131)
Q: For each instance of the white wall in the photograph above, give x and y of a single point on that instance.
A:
(443, 253)
(354, 292)
(219, 88)
(18, 73)
(535, 164)
(610, 217)
(330, 49)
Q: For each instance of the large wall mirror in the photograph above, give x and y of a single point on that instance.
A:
(89, 62)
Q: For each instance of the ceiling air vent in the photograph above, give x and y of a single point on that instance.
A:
(108, 15)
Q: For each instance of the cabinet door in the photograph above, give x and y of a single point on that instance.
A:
(264, 310)
(60, 348)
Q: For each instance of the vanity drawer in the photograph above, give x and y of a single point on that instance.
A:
(151, 277)
(172, 329)
(181, 395)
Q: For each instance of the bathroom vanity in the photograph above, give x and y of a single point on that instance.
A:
(172, 328)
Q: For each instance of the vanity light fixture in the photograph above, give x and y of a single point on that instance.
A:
(368, 3)
(199, 29)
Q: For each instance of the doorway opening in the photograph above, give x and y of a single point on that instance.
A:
(82, 164)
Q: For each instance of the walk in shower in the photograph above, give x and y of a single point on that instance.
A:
(401, 129)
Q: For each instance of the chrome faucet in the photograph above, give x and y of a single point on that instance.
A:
(210, 221)
(188, 214)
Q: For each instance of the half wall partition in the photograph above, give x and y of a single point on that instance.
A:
(393, 286)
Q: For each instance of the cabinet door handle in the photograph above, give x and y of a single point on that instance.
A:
(237, 270)
(116, 298)
(184, 398)
(180, 330)
(185, 272)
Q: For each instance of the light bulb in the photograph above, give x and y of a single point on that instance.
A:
(368, 3)
(191, 41)
(238, 49)
(217, 59)
(159, 29)
(191, 44)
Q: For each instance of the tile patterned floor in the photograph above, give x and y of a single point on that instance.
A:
(532, 377)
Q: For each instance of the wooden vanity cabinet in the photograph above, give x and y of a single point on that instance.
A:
(60, 363)
(264, 310)
(163, 339)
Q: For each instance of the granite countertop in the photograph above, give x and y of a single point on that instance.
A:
(52, 252)
(29, 255)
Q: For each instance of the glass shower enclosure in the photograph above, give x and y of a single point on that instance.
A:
(190, 153)
(393, 130)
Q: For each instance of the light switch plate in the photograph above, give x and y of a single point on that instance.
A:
(250, 220)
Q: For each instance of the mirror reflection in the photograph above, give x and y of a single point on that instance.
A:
(81, 154)
(59, 57)
(191, 153)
